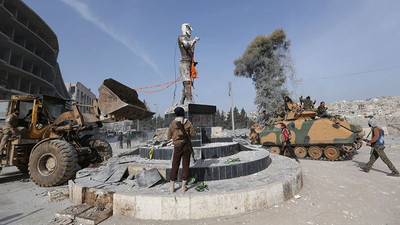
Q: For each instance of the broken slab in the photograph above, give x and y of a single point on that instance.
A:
(94, 216)
(118, 174)
(73, 211)
(148, 178)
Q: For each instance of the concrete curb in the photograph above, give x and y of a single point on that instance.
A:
(198, 205)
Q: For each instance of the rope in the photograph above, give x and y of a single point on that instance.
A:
(173, 99)
(169, 84)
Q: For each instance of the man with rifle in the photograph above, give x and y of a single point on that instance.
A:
(180, 131)
(378, 145)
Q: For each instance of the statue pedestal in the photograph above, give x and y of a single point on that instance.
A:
(202, 118)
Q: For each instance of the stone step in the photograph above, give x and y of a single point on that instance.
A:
(208, 151)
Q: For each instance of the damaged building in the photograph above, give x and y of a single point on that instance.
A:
(28, 53)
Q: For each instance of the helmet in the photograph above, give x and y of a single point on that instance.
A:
(186, 29)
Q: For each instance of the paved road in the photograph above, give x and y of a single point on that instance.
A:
(333, 193)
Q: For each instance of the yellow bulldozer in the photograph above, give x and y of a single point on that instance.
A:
(58, 141)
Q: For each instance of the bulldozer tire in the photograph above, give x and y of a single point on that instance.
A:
(53, 163)
(300, 152)
(315, 152)
(103, 149)
(275, 150)
(331, 153)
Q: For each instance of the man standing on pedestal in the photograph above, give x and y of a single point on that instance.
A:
(186, 48)
(181, 132)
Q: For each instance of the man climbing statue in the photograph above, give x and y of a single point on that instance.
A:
(186, 47)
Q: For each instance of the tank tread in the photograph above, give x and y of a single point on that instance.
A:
(343, 153)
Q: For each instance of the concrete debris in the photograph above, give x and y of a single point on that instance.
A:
(134, 151)
(126, 160)
(58, 194)
(59, 198)
(65, 221)
(104, 174)
(148, 178)
(130, 182)
(160, 135)
(130, 177)
(84, 213)
(94, 216)
(117, 176)
(72, 211)
(297, 196)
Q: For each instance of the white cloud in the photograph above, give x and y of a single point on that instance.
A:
(87, 14)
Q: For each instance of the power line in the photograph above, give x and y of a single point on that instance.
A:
(351, 74)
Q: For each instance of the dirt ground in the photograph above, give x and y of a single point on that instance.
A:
(333, 193)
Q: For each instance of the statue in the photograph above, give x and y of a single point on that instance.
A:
(186, 68)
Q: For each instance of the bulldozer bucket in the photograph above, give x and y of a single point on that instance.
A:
(121, 101)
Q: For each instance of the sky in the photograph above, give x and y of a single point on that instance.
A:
(342, 50)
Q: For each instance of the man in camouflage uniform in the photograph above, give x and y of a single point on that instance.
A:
(307, 103)
(378, 145)
(11, 127)
(321, 111)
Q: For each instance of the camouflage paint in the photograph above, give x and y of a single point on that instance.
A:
(312, 132)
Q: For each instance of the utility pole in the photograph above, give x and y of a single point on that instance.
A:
(233, 117)
(156, 113)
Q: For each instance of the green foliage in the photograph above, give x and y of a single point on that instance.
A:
(241, 119)
(268, 63)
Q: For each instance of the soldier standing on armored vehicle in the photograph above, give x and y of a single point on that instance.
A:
(378, 145)
(307, 103)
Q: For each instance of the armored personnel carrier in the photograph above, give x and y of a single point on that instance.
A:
(316, 138)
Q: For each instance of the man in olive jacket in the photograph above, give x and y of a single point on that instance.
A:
(180, 131)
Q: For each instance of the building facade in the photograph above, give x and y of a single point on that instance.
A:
(80, 95)
(28, 53)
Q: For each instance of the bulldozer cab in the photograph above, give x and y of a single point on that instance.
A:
(37, 112)
(4, 111)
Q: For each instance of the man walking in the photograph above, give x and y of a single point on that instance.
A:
(180, 131)
(128, 139)
(286, 142)
(378, 145)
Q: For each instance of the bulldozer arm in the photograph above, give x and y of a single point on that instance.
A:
(121, 101)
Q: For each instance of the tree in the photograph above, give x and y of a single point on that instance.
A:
(241, 119)
(219, 118)
(268, 63)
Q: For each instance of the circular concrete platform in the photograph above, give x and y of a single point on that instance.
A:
(280, 181)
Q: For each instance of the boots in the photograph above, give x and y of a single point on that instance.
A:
(184, 186)
(171, 187)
